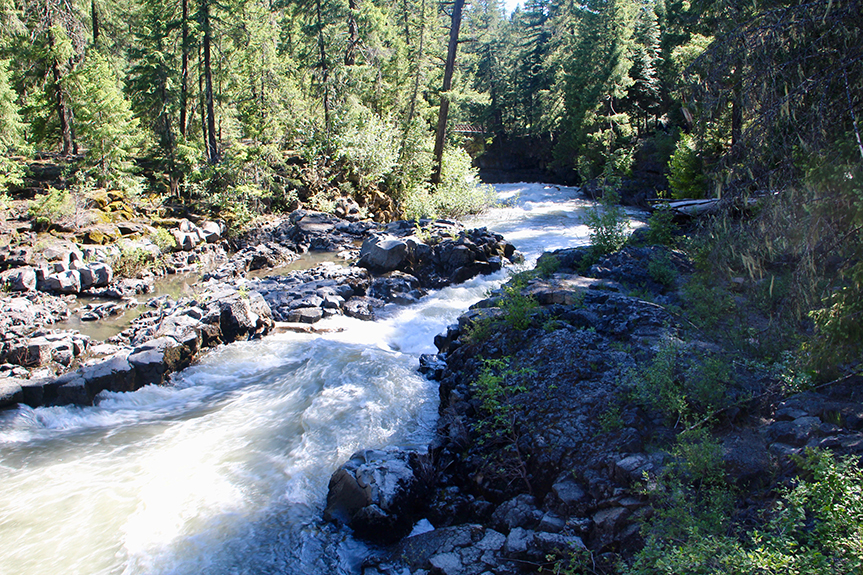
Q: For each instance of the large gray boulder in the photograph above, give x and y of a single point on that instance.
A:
(19, 279)
(157, 359)
(378, 493)
(210, 232)
(96, 274)
(11, 393)
(244, 315)
(384, 254)
(68, 282)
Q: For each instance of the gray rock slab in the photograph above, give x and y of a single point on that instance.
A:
(11, 393)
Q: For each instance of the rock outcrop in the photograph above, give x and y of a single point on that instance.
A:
(226, 307)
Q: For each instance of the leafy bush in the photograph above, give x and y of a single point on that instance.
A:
(681, 394)
(816, 527)
(459, 194)
(661, 270)
(661, 227)
(132, 261)
(608, 224)
(496, 384)
(367, 144)
(56, 205)
(686, 173)
(517, 307)
(839, 326)
(547, 266)
(163, 239)
(656, 385)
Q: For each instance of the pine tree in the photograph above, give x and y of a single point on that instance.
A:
(106, 124)
(11, 125)
(11, 131)
(646, 93)
(443, 112)
(154, 80)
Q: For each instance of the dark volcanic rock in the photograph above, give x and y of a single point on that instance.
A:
(378, 493)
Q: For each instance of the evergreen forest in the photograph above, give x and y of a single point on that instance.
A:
(394, 100)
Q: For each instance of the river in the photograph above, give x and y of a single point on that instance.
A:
(225, 471)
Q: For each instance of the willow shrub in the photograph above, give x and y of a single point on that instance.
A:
(459, 194)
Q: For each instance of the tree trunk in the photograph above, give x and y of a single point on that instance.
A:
(212, 145)
(325, 69)
(419, 64)
(184, 70)
(64, 113)
(447, 83)
(406, 14)
(201, 103)
(94, 16)
(353, 33)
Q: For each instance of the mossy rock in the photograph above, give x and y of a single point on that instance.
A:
(116, 196)
(121, 209)
(101, 235)
(100, 198)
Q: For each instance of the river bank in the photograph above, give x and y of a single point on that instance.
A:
(583, 417)
(565, 409)
(395, 263)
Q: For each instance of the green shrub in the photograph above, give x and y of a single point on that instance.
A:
(656, 385)
(366, 144)
(459, 194)
(815, 527)
(680, 392)
(686, 172)
(132, 261)
(163, 239)
(517, 307)
(661, 270)
(547, 266)
(662, 229)
(11, 174)
(56, 205)
(608, 224)
(838, 335)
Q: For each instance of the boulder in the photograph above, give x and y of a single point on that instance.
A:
(396, 287)
(19, 279)
(31, 353)
(244, 315)
(185, 240)
(362, 307)
(68, 282)
(61, 251)
(378, 494)
(158, 358)
(305, 315)
(211, 232)
(309, 222)
(112, 374)
(384, 254)
(11, 393)
(520, 511)
(96, 274)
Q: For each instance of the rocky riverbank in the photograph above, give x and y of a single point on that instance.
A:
(390, 264)
(559, 434)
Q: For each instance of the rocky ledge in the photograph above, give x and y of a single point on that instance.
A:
(397, 263)
(545, 448)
